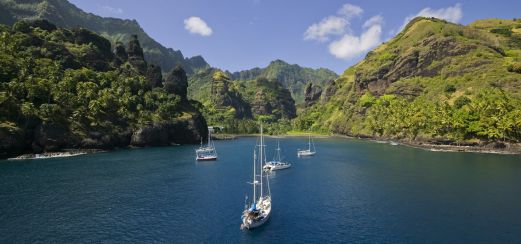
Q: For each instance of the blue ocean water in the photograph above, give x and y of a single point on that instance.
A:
(351, 191)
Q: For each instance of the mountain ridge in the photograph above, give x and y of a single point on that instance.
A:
(66, 14)
(291, 76)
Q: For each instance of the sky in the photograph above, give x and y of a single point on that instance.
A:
(242, 34)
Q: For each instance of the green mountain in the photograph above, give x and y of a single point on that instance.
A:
(291, 76)
(435, 80)
(65, 14)
(236, 104)
(65, 88)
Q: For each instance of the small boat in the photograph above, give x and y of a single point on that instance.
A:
(276, 163)
(307, 152)
(258, 212)
(208, 152)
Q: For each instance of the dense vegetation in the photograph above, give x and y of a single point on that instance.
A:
(65, 14)
(237, 105)
(291, 76)
(433, 80)
(66, 88)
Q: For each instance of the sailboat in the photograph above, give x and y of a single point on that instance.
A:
(258, 211)
(276, 163)
(208, 152)
(308, 152)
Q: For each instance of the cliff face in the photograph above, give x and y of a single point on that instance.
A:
(64, 14)
(223, 95)
(67, 89)
(434, 80)
(312, 94)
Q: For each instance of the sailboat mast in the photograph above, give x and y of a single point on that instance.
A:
(261, 159)
(309, 143)
(209, 136)
(254, 173)
(278, 150)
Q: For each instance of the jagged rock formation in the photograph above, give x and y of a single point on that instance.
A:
(223, 96)
(135, 55)
(331, 88)
(261, 105)
(121, 53)
(154, 76)
(177, 82)
(312, 94)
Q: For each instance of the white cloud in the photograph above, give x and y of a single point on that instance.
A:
(375, 20)
(452, 14)
(350, 11)
(350, 46)
(196, 25)
(331, 25)
(111, 10)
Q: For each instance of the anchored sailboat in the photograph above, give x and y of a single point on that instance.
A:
(308, 152)
(276, 163)
(208, 152)
(258, 211)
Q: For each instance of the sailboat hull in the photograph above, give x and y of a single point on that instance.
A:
(265, 213)
(209, 158)
(305, 153)
(275, 165)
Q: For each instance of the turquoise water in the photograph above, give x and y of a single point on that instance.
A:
(351, 191)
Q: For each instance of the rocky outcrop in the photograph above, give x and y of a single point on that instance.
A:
(166, 133)
(177, 83)
(261, 105)
(223, 96)
(106, 140)
(11, 140)
(135, 55)
(331, 88)
(52, 137)
(312, 94)
(120, 53)
(154, 76)
(413, 62)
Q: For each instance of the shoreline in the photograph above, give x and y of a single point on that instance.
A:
(508, 149)
(63, 154)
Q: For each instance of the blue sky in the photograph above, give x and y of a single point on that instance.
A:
(242, 34)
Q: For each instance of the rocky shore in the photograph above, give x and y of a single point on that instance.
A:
(65, 153)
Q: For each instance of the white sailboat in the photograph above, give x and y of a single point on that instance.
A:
(308, 152)
(208, 152)
(276, 163)
(258, 211)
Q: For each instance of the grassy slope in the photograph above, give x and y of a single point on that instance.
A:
(483, 67)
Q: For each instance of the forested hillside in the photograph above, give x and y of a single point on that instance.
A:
(66, 88)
